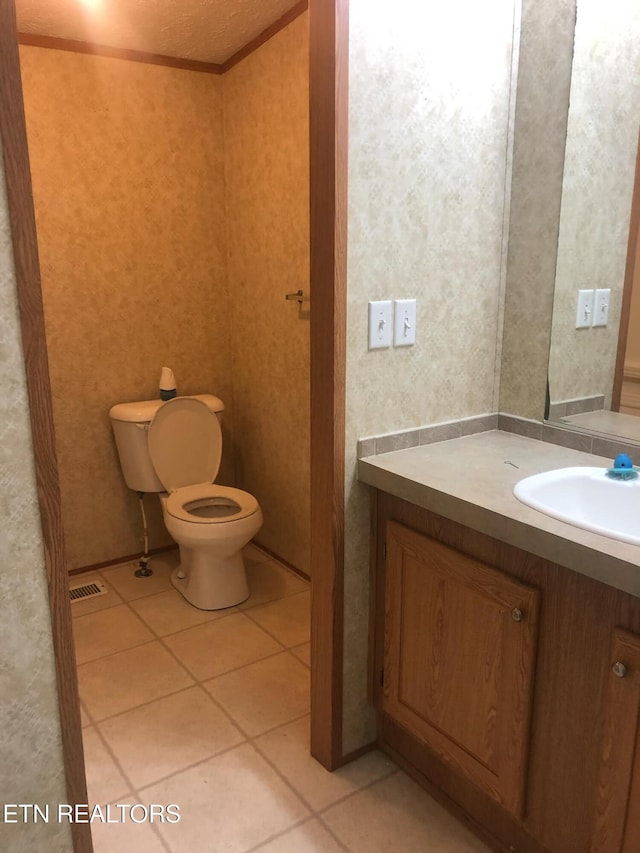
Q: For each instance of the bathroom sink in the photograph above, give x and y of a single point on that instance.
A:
(587, 498)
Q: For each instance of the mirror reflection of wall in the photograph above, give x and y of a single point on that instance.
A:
(600, 160)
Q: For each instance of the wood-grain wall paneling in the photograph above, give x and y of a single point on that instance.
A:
(23, 232)
(328, 164)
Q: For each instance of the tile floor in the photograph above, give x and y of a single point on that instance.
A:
(210, 711)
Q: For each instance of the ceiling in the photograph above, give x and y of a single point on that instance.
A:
(204, 30)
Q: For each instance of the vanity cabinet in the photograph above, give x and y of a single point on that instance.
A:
(491, 670)
(617, 818)
(459, 660)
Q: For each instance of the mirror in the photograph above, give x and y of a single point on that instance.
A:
(585, 390)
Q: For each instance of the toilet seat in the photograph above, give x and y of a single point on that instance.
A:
(177, 501)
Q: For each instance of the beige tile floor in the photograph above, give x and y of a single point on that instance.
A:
(210, 711)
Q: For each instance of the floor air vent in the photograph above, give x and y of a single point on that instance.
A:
(88, 590)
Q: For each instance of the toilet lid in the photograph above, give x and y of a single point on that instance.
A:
(185, 443)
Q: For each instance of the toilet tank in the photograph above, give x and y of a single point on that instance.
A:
(130, 422)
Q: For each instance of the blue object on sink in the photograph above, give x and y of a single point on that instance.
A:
(623, 468)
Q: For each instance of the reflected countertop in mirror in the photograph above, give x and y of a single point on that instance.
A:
(604, 423)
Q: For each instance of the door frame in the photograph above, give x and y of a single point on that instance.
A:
(34, 346)
(328, 93)
(328, 77)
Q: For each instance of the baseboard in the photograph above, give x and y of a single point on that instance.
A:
(127, 559)
(284, 562)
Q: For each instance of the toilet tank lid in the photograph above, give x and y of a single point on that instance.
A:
(143, 412)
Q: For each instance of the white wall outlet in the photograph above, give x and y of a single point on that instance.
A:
(404, 322)
(601, 310)
(380, 327)
(584, 314)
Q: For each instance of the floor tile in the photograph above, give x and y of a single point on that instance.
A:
(82, 606)
(269, 581)
(216, 647)
(232, 802)
(309, 837)
(288, 619)
(303, 652)
(168, 612)
(169, 735)
(125, 582)
(265, 694)
(396, 814)
(108, 631)
(287, 748)
(125, 680)
(125, 835)
(105, 782)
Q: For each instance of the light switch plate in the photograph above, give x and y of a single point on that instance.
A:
(380, 327)
(584, 314)
(601, 310)
(404, 323)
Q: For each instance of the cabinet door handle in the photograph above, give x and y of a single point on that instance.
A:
(619, 669)
(517, 615)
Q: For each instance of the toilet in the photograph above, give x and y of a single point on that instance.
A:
(174, 448)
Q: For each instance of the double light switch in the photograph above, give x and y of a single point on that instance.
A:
(392, 323)
(593, 307)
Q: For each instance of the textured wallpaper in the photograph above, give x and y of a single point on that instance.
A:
(31, 763)
(266, 117)
(127, 166)
(602, 141)
(429, 128)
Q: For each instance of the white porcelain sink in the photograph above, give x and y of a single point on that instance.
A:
(587, 498)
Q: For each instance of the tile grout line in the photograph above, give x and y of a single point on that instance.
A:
(315, 812)
(248, 741)
(300, 823)
(133, 790)
(146, 642)
(273, 636)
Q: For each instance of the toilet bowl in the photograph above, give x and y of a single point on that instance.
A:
(211, 523)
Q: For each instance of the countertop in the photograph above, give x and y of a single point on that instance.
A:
(470, 480)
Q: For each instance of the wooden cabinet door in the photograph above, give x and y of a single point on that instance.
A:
(460, 641)
(617, 821)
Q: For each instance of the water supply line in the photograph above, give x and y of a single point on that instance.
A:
(144, 571)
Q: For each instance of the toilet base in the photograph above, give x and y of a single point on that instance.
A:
(209, 582)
